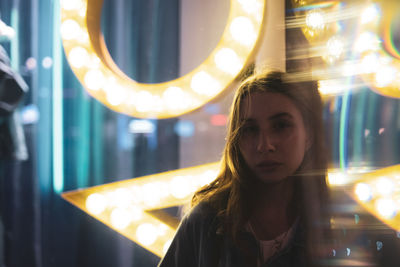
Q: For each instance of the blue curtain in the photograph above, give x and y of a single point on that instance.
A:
(39, 228)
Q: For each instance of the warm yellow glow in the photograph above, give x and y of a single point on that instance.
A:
(378, 192)
(78, 57)
(228, 61)
(242, 31)
(92, 64)
(335, 47)
(387, 208)
(367, 41)
(315, 20)
(146, 234)
(370, 14)
(126, 206)
(70, 29)
(204, 84)
(71, 4)
(363, 192)
(120, 218)
(385, 75)
(385, 186)
(96, 203)
(251, 6)
(370, 63)
(331, 87)
(94, 79)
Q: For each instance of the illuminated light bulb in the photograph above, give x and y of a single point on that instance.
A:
(337, 178)
(204, 84)
(146, 234)
(144, 101)
(385, 186)
(167, 245)
(315, 20)
(335, 47)
(94, 79)
(115, 94)
(162, 229)
(120, 218)
(330, 87)
(370, 63)
(228, 61)
(363, 192)
(385, 75)
(151, 193)
(96, 203)
(70, 29)
(122, 197)
(250, 6)
(136, 213)
(175, 98)
(83, 9)
(367, 41)
(370, 14)
(242, 31)
(207, 177)
(78, 57)
(180, 187)
(137, 194)
(71, 4)
(386, 207)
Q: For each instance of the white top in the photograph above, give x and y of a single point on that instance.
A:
(268, 248)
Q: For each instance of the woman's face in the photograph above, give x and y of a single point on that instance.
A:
(274, 139)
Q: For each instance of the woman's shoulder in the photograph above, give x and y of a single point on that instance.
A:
(202, 213)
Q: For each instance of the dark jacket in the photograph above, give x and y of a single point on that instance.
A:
(199, 242)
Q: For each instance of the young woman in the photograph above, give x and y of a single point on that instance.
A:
(267, 207)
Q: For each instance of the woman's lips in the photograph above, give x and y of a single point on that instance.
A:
(268, 165)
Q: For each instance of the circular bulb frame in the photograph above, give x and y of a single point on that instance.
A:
(88, 16)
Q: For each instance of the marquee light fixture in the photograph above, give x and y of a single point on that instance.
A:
(91, 62)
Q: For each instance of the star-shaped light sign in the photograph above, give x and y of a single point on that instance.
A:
(134, 207)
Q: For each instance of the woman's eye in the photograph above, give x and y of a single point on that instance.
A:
(250, 129)
(281, 125)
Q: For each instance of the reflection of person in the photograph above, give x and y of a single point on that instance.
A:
(271, 189)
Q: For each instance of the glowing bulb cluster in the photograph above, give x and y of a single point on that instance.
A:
(380, 194)
(106, 82)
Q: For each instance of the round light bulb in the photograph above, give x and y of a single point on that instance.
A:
(146, 234)
(94, 79)
(315, 20)
(120, 218)
(228, 61)
(386, 207)
(370, 14)
(384, 186)
(363, 192)
(70, 29)
(242, 31)
(96, 203)
(144, 101)
(175, 98)
(335, 47)
(180, 187)
(78, 57)
(204, 84)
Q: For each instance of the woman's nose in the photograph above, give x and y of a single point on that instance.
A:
(265, 143)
